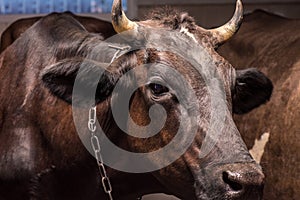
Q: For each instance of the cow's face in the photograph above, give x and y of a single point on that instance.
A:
(225, 172)
(223, 169)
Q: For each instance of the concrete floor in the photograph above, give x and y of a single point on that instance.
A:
(159, 197)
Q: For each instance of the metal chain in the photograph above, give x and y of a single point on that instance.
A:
(106, 184)
(97, 152)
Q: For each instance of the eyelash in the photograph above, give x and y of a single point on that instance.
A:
(158, 89)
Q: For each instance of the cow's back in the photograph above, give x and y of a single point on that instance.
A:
(272, 44)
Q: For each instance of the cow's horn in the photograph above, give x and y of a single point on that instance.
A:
(226, 31)
(119, 20)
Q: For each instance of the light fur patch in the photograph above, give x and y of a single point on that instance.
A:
(186, 32)
(258, 148)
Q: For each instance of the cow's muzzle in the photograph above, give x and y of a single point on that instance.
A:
(232, 182)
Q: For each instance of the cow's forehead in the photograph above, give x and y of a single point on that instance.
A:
(183, 46)
(165, 40)
(170, 19)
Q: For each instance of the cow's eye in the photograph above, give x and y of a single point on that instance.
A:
(158, 89)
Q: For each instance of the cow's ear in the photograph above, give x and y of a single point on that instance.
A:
(252, 88)
(60, 78)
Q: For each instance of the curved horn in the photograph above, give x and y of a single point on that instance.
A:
(226, 31)
(119, 20)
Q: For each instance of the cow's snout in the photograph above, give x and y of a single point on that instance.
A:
(237, 181)
(243, 181)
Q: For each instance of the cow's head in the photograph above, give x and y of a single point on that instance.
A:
(226, 171)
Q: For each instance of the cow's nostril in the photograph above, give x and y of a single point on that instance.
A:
(241, 181)
(231, 179)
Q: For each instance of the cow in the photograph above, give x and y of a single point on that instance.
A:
(93, 25)
(43, 157)
(271, 43)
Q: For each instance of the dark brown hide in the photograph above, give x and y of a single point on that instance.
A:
(93, 25)
(272, 44)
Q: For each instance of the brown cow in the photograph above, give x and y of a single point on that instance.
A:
(14, 31)
(41, 155)
(272, 43)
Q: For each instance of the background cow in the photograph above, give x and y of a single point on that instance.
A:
(272, 43)
(93, 25)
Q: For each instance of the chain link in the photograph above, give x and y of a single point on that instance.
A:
(97, 152)
(106, 184)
